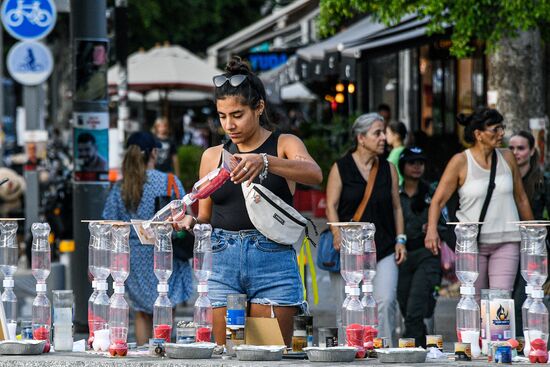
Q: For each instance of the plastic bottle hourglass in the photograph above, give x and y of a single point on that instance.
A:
(63, 302)
(202, 266)
(101, 254)
(8, 266)
(537, 320)
(93, 227)
(118, 309)
(369, 272)
(524, 315)
(162, 309)
(41, 266)
(467, 271)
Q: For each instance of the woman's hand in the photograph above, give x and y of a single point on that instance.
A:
(400, 253)
(249, 167)
(186, 223)
(337, 240)
(432, 241)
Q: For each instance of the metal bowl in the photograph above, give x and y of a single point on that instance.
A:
(331, 354)
(259, 352)
(402, 355)
(189, 351)
(15, 347)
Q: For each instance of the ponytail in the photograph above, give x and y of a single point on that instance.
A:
(134, 171)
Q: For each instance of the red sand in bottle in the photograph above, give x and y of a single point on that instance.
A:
(370, 334)
(163, 331)
(118, 348)
(355, 336)
(203, 334)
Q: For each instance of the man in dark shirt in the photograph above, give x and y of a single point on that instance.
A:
(167, 158)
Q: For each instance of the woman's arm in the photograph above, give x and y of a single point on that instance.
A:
(297, 165)
(400, 249)
(334, 190)
(520, 197)
(445, 189)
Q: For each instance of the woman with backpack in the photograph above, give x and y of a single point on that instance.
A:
(469, 172)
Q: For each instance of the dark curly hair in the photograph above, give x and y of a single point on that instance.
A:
(251, 91)
(478, 120)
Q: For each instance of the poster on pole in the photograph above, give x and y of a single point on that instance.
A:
(91, 148)
(91, 70)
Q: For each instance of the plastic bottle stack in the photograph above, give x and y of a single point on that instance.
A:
(467, 271)
(41, 267)
(369, 272)
(93, 227)
(202, 267)
(352, 252)
(162, 309)
(101, 254)
(8, 266)
(534, 269)
(118, 310)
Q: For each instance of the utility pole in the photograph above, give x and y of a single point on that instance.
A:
(121, 52)
(90, 136)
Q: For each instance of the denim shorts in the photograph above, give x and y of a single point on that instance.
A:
(247, 262)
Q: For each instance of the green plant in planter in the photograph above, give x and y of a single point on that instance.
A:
(189, 158)
(321, 151)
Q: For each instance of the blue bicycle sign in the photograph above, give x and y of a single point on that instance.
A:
(28, 19)
(29, 62)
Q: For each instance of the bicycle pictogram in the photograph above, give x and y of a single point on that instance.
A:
(32, 12)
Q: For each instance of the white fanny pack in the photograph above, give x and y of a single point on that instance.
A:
(274, 218)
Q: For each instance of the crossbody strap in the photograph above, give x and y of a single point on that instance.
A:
(490, 190)
(368, 192)
(172, 187)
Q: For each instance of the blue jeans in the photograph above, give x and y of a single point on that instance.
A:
(247, 262)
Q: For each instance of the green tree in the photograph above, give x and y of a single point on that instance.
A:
(193, 24)
(513, 31)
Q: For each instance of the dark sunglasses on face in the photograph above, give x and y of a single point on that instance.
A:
(234, 80)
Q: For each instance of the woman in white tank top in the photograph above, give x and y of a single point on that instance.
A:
(469, 172)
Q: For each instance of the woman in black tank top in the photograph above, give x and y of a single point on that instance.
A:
(245, 261)
(345, 190)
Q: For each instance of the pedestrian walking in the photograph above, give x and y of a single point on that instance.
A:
(134, 198)
(345, 189)
(167, 157)
(244, 260)
(470, 173)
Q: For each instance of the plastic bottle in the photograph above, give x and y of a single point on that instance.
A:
(162, 314)
(369, 259)
(118, 323)
(162, 261)
(100, 309)
(468, 319)
(40, 252)
(537, 321)
(524, 317)
(202, 252)
(8, 248)
(120, 254)
(93, 227)
(41, 316)
(207, 185)
(91, 300)
(371, 315)
(9, 301)
(467, 268)
(203, 315)
(353, 321)
(533, 255)
(351, 254)
(102, 253)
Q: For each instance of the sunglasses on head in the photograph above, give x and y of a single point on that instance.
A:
(234, 80)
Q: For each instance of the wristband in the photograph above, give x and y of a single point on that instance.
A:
(263, 174)
(401, 239)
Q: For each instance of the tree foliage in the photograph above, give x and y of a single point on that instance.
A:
(487, 20)
(193, 24)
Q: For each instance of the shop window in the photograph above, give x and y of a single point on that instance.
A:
(383, 88)
(408, 89)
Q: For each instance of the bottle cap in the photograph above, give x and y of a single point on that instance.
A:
(537, 293)
(528, 289)
(368, 288)
(202, 288)
(119, 289)
(187, 200)
(354, 291)
(468, 291)
(8, 283)
(162, 288)
(41, 287)
(94, 284)
(347, 289)
(102, 286)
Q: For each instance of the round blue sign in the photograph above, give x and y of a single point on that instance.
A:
(29, 62)
(28, 19)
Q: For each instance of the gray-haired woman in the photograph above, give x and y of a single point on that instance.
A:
(345, 189)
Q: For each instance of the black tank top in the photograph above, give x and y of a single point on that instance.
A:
(228, 207)
(379, 210)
